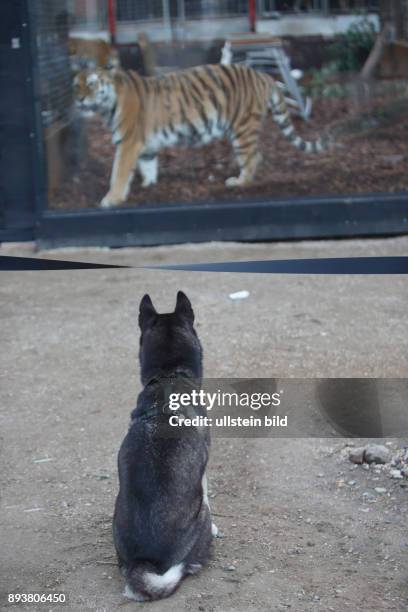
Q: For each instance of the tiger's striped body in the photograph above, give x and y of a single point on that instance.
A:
(191, 107)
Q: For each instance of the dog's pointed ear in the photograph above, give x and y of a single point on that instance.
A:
(147, 312)
(184, 308)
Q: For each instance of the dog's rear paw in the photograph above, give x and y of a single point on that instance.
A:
(215, 532)
(193, 568)
(133, 595)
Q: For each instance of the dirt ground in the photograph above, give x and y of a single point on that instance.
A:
(297, 538)
(371, 157)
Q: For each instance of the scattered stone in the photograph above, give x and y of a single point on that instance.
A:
(380, 490)
(392, 520)
(356, 455)
(376, 453)
(392, 160)
(396, 474)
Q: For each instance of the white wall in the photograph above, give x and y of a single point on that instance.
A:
(304, 25)
(207, 29)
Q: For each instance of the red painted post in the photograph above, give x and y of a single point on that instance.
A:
(252, 15)
(112, 21)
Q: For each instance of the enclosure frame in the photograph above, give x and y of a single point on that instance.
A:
(252, 220)
(18, 217)
(246, 221)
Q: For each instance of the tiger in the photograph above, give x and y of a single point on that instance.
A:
(191, 107)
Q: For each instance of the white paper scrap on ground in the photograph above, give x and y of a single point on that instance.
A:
(239, 295)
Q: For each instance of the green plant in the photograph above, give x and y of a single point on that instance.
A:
(323, 83)
(351, 49)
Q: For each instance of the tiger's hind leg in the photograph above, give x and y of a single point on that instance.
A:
(246, 149)
(148, 167)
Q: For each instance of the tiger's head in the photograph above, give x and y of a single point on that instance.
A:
(95, 91)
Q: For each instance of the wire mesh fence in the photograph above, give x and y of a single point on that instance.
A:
(395, 14)
(207, 8)
(268, 7)
(52, 28)
(144, 10)
(403, 28)
(89, 14)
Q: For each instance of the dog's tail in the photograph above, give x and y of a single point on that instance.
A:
(143, 583)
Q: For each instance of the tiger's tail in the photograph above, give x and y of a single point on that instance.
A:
(280, 114)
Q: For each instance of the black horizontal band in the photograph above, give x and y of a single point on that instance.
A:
(335, 265)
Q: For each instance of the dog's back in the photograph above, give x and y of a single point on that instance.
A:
(162, 525)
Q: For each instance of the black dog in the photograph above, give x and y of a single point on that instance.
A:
(162, 524)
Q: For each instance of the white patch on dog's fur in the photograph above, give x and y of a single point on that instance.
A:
(204, 484)
(132, 595)
(164, 582)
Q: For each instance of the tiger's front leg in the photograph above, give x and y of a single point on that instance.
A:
(124, 164)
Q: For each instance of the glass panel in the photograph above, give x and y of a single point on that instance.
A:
(314, 63)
